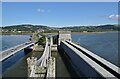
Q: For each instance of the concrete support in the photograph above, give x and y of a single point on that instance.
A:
(51, 68)
(39, 71)
(54, 48)
(43, 67)
(34, 70)
(51, 40)
(31, 66)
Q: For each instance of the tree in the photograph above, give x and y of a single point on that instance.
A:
(41, 40)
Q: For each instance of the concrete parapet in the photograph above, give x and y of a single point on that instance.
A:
(31, 64)
(33, 69)
(40, 71)
(96, 66)
(53, 47)
(51, 68)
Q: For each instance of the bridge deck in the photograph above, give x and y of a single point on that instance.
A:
(101, 70)
(107, 63)
(11, 51)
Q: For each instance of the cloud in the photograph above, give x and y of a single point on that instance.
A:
(40, 10)
(113, 16)
(43, 10)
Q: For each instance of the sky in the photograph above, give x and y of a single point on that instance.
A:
(60, 14)
(60, 0)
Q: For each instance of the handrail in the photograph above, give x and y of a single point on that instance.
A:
(43, 55)
(41, 61)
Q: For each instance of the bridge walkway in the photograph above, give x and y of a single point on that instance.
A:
(43, 67)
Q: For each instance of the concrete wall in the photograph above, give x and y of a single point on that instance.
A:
(82, 68)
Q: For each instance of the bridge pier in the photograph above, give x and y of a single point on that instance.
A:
(51, 68)
(35, 70)
(31, 65)
(43, 67)
(51, 40)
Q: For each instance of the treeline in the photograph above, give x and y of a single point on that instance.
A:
(93, 28)
(24, 27)
(27, 28)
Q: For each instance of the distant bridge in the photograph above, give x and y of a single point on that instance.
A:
(13, 50)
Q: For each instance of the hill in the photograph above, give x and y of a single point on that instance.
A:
(28, 28)
(93, 28)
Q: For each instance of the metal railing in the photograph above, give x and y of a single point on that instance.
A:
(41, 60)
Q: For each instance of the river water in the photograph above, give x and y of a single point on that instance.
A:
(13, 40)
(16, 66)
(102, 44)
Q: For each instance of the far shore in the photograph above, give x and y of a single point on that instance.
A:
(92, 32)
(86, 32)
(14, 34)
(57, 33)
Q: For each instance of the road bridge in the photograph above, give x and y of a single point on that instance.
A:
(13, 50)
